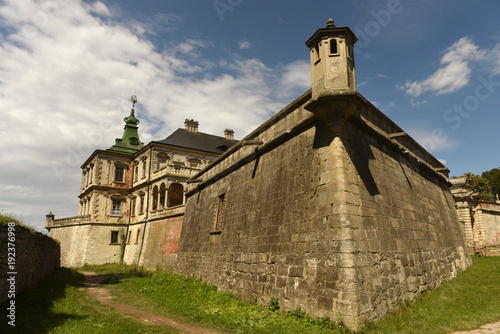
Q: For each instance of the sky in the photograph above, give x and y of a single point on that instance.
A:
(69, 67)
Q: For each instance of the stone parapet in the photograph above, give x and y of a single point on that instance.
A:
(67, 221)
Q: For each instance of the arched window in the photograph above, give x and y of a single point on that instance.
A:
(175, 195)
(163, 191)
(333, 47)
(155, 197)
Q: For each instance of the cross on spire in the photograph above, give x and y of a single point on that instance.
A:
(134, 100)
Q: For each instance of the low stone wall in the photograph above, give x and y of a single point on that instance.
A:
(27, 254)
(489, 250)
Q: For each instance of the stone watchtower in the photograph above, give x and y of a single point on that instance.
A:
(333, 75)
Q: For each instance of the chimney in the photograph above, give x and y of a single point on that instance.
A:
(191, 125)
(229, 134)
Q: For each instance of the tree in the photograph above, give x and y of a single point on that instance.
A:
(487, 185)
(493, 182)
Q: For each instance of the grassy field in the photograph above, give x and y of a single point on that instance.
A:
(188, 300)
(58, 305)
(470, 300)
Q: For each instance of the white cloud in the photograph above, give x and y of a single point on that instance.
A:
(297, 75)
(417, 103)
(384, 106)
(455, 72)
(100, 9)
(369, 79)
(433, 140)
(244, 45)
(66, 74)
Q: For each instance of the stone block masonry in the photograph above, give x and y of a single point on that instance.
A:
(339, 225)
(35, 256)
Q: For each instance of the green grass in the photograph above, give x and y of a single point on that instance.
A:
(470, 300)
(57, 305)
(464, 303)
(188, 300)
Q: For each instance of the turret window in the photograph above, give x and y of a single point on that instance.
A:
(333, 47)
(316, 52)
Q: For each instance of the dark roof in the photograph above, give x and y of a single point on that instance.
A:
(198, 141)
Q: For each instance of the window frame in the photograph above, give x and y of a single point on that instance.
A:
(141, 203)
(333, 42)
(116, 203)
(117, 169)
(133, 203)
(136, 172)
(144, 167)
(115, 237)
(137, 236)
(221, 202)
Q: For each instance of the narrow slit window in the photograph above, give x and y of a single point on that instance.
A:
(333, 46)
(141, 205)
(137, 236)
(220, 211)
(133, 204)
(316, 49)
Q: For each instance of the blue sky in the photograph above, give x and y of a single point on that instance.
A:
(68, 68)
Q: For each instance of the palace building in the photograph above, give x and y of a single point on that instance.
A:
(133, 192)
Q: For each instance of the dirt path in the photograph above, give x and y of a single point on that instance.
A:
(493, 328)
(103, 295)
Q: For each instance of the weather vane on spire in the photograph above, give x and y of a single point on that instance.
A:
(134, 100)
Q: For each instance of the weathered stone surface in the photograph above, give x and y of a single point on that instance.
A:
(346, 224)
(35, 256)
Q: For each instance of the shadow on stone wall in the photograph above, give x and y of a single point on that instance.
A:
(26, 256)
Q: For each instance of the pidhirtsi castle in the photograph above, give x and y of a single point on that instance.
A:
(328, 206)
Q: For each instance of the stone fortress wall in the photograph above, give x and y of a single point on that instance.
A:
(337, 225)
(328, 206)
(36, 256)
